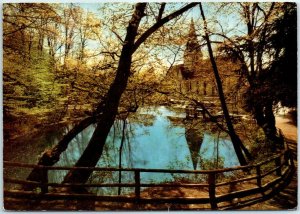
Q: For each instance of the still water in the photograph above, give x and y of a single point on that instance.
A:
(152, 141)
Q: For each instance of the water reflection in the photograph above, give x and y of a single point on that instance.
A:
(194, 142)
(219, 148)
(154, 142)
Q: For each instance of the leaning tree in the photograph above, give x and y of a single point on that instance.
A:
(107, 109)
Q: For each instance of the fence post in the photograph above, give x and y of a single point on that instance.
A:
(286, 158)
(212, 190)
(278, 163)
(291, 159)
(137, 184)
(258, 173)
(44, 180)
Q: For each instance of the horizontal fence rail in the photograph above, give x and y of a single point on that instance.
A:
(280, 167)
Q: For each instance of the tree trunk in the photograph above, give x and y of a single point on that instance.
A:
(94, 149)
(51, 156)
(93, 152)
(270, 119)
(236, 141)
(265, 118)
(120, 153)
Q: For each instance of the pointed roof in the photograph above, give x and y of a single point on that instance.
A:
(194, 141)
(192, 41)
(192, 53)
(192, 31)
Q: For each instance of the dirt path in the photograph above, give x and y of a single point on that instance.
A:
(287, 198)
(288, 128)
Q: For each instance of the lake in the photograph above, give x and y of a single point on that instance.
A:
(151, 140)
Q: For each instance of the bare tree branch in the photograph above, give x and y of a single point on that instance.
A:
(160, 23)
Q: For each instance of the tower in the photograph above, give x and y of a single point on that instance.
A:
(192, 53)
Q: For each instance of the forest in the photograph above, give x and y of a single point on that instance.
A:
(150, 106)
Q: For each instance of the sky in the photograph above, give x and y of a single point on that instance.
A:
(93, 7)
(193, 13)
(227, 20)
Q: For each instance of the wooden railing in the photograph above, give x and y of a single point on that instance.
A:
(277, 170)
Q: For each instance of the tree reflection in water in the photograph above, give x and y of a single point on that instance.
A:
(156, 137)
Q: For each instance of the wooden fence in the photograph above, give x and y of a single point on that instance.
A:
(279, 169)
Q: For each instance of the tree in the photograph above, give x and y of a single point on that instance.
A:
(256, 55)
(236, 141)
(94, 149)
(28, 70)
(37, 84)
(283, 71)
(107, 110)
(275, 82)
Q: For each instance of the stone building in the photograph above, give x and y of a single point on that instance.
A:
(195, 76)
